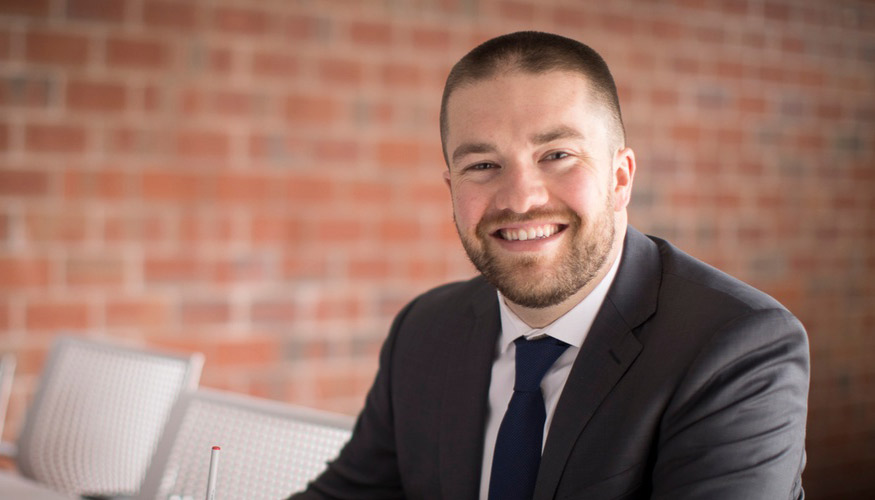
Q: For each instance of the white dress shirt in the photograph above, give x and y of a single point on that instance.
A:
(570, 328)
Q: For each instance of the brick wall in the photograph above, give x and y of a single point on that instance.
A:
(261, 180)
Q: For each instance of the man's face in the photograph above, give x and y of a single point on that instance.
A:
(533, 182)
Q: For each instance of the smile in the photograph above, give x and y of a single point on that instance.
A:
(529, 233)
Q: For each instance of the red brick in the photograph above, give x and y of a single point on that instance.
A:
(83, 95)
(97, 10)
(56, 48)
(233, 103)
(23, 183)
(271, 228)
(365, 192)
(46, 225)
(362, 268)
(44, 138)
(311, 109)
(170, 14)
(250, 351)
(334, 308)
(435, 193)
(734, 7)
(51, 315)
(136, 53)
(242, 269)
(309, 189)
(99, 185)
(731, 69)
(23, 272)
(302, 27)
(170, 186)
(142, 229)
(399, 230)
(519, 11)
(241, 21)
(333, 230)
(334, 384)
(273, 311)
(194, 312)
(752, 104)
(664, 97)
(401, 75)
(4, 137)
(137, 311)
(371, 33)
(106, 270)
(203, 144)
(275, 64)
(340, 71)
(220, 60)
(776, 11)
(431, 39)
(26, 91)
(183, 269)
(4, 315)
(5, 45)
(398, 153)
(245, 188)
(31, 8)
(572, 17)
(204, 226)
(339, 150)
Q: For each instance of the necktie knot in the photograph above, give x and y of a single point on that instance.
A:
(533, 359)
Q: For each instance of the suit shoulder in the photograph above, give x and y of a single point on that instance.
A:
(453, 296)
(690, 278)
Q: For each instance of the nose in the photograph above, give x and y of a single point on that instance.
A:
(522, 188)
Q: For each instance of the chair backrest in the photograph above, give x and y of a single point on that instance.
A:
(97, 415)
(7, 371)
(269, 449)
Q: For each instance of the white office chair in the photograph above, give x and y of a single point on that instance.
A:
(7, 372)
(268, 449)
(97, 415)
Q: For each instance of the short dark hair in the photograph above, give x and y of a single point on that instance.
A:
(534, 52)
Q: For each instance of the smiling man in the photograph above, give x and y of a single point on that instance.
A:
(588, 361)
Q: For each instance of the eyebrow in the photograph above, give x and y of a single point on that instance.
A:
(472, 148)
(560, 132)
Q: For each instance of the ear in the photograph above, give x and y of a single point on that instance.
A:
(447, 180)
(624, 174)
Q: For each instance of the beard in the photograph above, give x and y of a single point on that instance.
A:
(522, 279)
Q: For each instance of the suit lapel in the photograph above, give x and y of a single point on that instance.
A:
(464, 404)
(609, 350)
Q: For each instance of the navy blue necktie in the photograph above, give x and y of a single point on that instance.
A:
(518, 446)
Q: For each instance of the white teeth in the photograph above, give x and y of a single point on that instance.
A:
(529, 234)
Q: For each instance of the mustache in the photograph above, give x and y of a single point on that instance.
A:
(509, 217)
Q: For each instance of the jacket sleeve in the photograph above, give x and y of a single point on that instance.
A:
(367, 467)
(735, 427)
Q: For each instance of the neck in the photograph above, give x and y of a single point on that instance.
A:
(543, 316)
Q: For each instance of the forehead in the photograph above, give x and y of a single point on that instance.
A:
(521, 102)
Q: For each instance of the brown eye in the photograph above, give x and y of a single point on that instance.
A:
(558, 155)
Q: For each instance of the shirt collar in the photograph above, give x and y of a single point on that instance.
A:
(571, 328)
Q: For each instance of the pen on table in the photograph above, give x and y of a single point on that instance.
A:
(214, 466)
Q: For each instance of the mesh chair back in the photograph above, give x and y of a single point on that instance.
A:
(7, 371)
(98, 413)
(268, 449)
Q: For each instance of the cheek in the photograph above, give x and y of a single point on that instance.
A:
(469, 206)
(584, 195)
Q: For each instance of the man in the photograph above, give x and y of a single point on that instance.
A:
(659, 376)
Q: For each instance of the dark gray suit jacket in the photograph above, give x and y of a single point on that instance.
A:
(690, 384)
